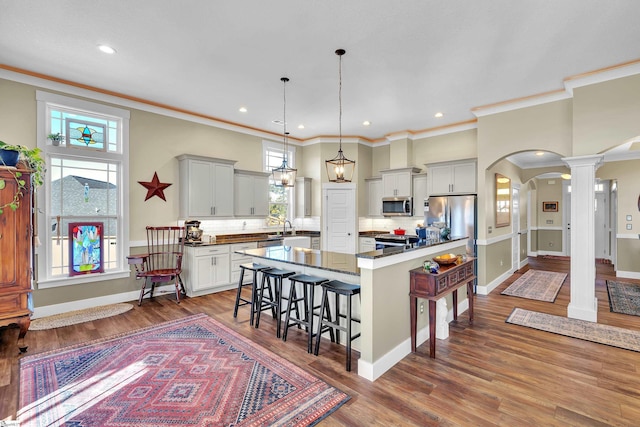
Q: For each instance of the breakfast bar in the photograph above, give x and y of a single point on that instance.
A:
(384, 308)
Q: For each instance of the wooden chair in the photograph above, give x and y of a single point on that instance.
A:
(163, 262)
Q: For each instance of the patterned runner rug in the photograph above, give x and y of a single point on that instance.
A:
(188, 372)
(576, 328)
(78, 316)
(537, 284)
(624, 297)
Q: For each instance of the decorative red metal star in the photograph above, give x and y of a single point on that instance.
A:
(155, 187)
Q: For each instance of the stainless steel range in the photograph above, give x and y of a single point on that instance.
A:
(396, 240)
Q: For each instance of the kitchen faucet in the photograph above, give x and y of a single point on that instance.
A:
(284, 226)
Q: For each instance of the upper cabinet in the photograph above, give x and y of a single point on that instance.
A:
(206, 187)
(251, 193)
(374, 188)
(398, 182)
(303, 197)
(451, 178)
(419, 194)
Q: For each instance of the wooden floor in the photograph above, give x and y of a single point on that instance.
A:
(491, 373)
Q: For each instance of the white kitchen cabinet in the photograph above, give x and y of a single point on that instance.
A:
(367, 244)
(303, 197)
(419, 194)
(206, 269)
(374, 188)
(251, 193)
(451, 178)
(398, 182)
(238, 259)
(206, 187)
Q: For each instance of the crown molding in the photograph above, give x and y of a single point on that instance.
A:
(602, 75)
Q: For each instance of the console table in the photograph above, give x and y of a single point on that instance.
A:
(433, 286)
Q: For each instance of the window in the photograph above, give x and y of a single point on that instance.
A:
(86, 181)
(280, 198)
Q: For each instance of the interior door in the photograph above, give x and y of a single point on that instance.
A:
(566, 216)
(339, 217)
(601, 226)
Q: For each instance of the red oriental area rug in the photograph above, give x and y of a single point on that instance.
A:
(188, 372)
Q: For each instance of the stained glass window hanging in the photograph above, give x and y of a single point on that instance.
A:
(86, 134)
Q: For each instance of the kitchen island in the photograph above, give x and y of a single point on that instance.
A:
(384, 299)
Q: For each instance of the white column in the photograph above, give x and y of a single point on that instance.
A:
(583, 304)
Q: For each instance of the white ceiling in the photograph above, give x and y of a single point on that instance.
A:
(405, 60)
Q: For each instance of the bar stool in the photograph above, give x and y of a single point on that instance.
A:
(348, 290)
(240, 300)
(276, 303)
(309, 283)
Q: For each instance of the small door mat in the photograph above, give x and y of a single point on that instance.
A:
(78, 316)
(537, 284)
(624, 297)
(576, 328)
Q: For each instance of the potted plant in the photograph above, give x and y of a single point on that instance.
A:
(10, 155)
(55, 138)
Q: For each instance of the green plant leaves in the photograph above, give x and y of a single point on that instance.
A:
(2, 184)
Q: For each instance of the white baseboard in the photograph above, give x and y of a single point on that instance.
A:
(50, 310)
(554, 253)
(523, 263)
(489, 287)
(628, 274)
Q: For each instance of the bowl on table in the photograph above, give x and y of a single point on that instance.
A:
(446, 259)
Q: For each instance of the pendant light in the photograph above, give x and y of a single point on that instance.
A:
(340, 169)
(284, 176)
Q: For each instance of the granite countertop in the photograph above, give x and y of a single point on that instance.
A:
(331, 261)
(395, 250)
(228, 239)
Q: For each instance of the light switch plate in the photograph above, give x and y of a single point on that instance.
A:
(629, 217)
(629, 227)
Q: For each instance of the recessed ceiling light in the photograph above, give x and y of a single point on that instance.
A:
(300, 126)
(539, 153)
(438, 115)
(242, 109)
(278, 122)
(366, 123)
(106, 49)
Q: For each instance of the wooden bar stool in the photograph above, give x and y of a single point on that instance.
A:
(338, 288)
(276, 303)
(240, 300)
(309, 283)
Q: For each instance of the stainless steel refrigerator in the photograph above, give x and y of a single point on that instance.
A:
(458, 214)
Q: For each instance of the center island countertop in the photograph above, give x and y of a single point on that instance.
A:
(330, 261)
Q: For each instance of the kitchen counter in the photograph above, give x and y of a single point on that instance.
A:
(323, 260)
(229, 239)
(396, 250)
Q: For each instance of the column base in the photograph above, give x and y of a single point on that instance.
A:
(583, 313)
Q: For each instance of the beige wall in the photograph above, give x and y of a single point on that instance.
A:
(17, 113)
(549, 190)
(442, 148)
(606, 115)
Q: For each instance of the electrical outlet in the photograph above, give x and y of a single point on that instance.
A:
(421, 307)
(501, 263)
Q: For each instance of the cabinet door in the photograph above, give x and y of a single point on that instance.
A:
(204, 274)
(464, 178)
(244, 195)
(440, 179)
(200, 193)
(222, 270)
(396, 184)
(223, 190)
(403, 184)
(389, 185)
(375, 197)
(261, 196)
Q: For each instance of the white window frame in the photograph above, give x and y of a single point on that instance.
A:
(45, 99)
(291, 158)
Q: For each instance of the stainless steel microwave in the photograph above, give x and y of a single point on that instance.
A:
(397, 206)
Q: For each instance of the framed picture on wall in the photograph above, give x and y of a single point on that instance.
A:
(549, 206)
(85, 248)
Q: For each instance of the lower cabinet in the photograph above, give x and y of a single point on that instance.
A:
(367, 244)
(206, 269)
(238, 259)
(315, 243)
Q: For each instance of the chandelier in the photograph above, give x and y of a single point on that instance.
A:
(340, 169)
(284, 176)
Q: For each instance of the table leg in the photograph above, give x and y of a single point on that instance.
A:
(432, 329)
(470, 297)
(454, 295)
(413, 313)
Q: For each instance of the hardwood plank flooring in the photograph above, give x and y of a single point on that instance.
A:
(488, 373)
